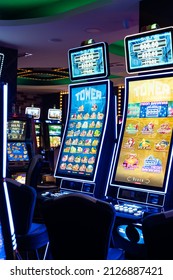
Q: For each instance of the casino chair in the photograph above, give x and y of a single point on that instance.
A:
(34, 170)
(80, 228)
(158, 235)
(32, 238)
(33, 178)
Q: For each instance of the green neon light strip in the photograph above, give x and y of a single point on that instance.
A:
(19, 9)
(117, 48)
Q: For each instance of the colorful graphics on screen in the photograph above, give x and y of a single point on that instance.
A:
(16, 130)
(88, 62)
(17, 151)
(54, 135)
(148, 130)
(85, 129)
(54, 114)
(149, 50)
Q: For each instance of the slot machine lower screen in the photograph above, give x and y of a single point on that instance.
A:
(143, 159)
(54, 135)
(17, 151)
(82, 141)
(38, 132)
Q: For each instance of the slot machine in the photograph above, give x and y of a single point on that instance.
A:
(21, 144)
(54, 128)
(89, 133)
(140, 181)
(53, 136)
(35, 112)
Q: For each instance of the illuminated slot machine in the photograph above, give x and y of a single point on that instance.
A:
(21, 146)
(35, 113)
(54, 128)
(83, 160)
(140, 181)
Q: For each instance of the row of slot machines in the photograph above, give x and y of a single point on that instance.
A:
(134, 172)
(27, 135)
(48, 132)
(131, 170)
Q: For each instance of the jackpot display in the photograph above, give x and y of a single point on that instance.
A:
(143, 158)
(149, 51)
(16, 130)
(82, 143)
(88, 62)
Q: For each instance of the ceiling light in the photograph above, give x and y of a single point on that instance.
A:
(24, 54)
(55, 40)
(28, 54)
(92, 30)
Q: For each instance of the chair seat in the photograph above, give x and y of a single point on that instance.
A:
(36, 238)
(31, 237)
(115, 254)
(81, 229)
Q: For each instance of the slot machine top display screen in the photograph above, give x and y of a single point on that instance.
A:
(17, 151)
(88, 62)
(149, 51)
(143, 160)
(83, 134)
(54, 114)
(33, 111)
(16, 130)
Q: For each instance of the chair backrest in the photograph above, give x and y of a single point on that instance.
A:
(158, 235)
(22, 200)
(34, 170)
(79, 227)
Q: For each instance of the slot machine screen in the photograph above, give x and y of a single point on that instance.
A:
(54, 114)
(89, 62)
(144, 156)
(54, 135)
(33, 111)
(37, 129)
(38, 132)
(86, 122)
(17, 151)
(149, 51)
(16, 130)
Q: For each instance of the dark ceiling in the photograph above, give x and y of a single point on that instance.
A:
(44, 30)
